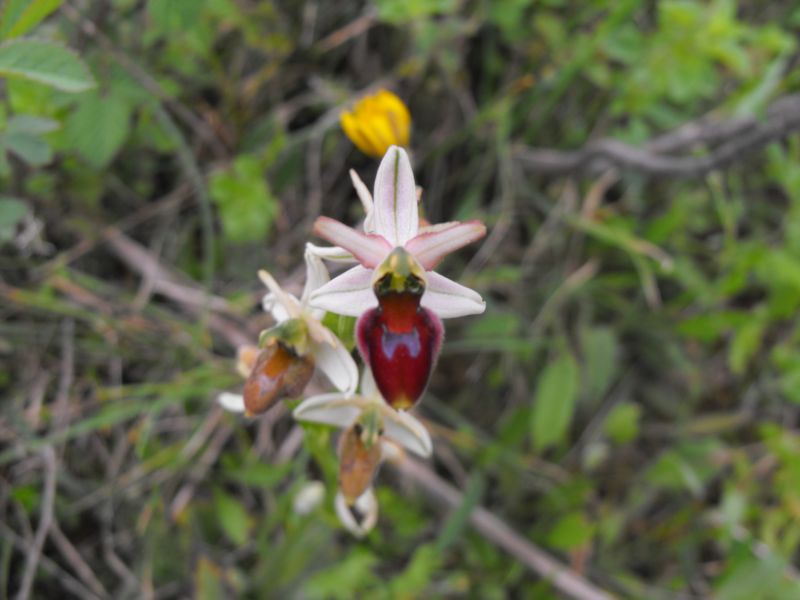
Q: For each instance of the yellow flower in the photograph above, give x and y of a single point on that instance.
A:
(377, 122)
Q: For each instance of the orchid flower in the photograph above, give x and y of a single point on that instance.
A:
(395, 293)
(393, 221)
(372, 431)
(291, 349)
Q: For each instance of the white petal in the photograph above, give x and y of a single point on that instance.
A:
(369, 249)
(440, 240)
(308, 498)
(271, 305)
(348, 294)
(366, 201)
(231, 402)
(407, 431)
(316, 273)
(331, 253)
(367, 507)
(391, 452)
(338, 365)
(288, 301)
(396, 212)
(329, 409)
(449, 299)
(369, 389)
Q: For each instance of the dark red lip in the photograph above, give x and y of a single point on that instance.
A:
(400, 341)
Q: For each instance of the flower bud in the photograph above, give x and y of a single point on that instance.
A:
(278, 373)
(358, 462)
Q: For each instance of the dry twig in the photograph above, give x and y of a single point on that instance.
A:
(496, 531)
(730, 140)
(45, 520)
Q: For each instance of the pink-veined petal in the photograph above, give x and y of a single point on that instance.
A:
(316, 273)
(437, 242)
(348, 294)
(338, 365)
(449, 299)
(366, 201)
(331, 253)
(369, 249)
(396, 215)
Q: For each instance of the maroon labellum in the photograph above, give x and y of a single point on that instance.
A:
(400, 340)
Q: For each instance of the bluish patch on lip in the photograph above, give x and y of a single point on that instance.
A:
(392, 341)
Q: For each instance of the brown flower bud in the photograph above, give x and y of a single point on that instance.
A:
(278, 373)
(358, 463)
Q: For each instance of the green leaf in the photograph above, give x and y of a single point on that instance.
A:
(20, 16)
(31, 148)
(622, 423)
(32, 124)
(246, 205)
(344, 579)
(175, 15)
(23, 138)
(554, 402)
(457, 521)
(417, 576)
(208, 583)
(232, 516)
(45, 62)
(599, 345)
(571, 531)
(746, 342)
(98, 127)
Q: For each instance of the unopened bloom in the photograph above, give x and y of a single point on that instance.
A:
(308, 498)
(394, 290)
(291, 349)
(377, 122)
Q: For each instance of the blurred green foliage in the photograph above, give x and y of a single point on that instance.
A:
(629, 401)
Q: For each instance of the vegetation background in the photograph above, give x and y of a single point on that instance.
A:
(629, 403)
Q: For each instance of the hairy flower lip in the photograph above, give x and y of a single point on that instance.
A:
(393, 221)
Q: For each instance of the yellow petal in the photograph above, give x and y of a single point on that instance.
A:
(352, 129)
(377, 122)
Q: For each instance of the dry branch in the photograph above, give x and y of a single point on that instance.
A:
(501, 535)
(671, 154)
